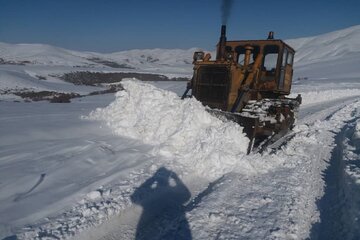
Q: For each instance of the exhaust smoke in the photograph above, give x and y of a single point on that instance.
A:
(225, 10)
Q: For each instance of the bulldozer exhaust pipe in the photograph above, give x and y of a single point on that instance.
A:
(271, 35)
(222, 42)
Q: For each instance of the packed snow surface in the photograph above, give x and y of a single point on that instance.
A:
(181, 130)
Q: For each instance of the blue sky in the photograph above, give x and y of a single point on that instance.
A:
(113, 25)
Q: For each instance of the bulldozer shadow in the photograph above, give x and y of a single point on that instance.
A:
(162, 198)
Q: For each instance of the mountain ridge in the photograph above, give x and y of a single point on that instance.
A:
(328, 46)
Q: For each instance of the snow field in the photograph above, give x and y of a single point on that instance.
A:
(95, 208)
(25, 79)
(180, 130)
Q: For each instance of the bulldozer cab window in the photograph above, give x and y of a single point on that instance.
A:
(281, 80)
(241, 58)
(284, 60)
(271, 54)
(287, 61)
(290, 58)
(241, 54)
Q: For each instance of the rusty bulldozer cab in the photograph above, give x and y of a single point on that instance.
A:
(248, 83)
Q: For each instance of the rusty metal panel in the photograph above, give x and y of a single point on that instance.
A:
(212, 86)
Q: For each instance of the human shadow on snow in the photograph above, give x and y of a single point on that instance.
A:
(162, 198)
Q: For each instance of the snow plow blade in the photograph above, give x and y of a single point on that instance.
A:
(263, 129)
(250, 124)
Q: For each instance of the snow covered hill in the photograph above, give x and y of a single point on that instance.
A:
(328, 56)
(42, 54)
(331, 46)
(153, 57)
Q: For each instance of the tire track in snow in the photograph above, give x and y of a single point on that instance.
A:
(336, 219)
(24, 194)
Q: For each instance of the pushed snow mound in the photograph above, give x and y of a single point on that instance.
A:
(180, 130)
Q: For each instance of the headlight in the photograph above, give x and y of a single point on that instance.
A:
(198, 56)
(229, 56)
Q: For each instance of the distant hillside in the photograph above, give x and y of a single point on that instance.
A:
(331, 46)
(41, 54)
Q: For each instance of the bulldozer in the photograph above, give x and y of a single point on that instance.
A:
(247, 83)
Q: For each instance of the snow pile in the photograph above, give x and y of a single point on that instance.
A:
(178, 129)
